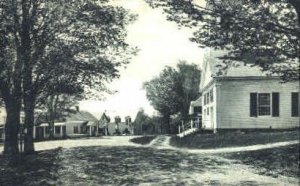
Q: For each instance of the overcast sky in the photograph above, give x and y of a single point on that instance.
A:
(161, 43)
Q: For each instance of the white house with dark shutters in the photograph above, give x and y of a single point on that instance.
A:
(243, 97)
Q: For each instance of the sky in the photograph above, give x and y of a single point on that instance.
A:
(161, 43)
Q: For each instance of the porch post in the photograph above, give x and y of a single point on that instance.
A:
(90, 130)
(34, 130)
(105, 130)
(61, 131)
(44, 131)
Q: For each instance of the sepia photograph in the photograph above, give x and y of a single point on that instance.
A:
(149, 92)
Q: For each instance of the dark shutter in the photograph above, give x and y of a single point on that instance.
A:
(275, 104)
(295, 104)
(253, 104)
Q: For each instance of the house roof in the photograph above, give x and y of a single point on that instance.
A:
(104, 120)
(80, 116)
(197, 102)
(236, 69)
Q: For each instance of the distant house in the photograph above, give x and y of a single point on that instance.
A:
(76, 123)
(106, 127)
(244, 97)
(103, 124)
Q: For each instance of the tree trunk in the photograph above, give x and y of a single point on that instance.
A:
(166, 120)
(51, 118)
(29, 104)
(12, 126)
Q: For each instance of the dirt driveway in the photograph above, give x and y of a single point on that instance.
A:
(117, 161)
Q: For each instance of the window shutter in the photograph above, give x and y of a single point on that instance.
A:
(253, 104)
(275, 104)
(295, 104)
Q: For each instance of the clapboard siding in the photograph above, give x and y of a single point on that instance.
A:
(209, 121)
(234, 104)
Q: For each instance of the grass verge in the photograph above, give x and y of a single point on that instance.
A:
(272, 162)
(232, 139)
(144, 140)
(32, 169)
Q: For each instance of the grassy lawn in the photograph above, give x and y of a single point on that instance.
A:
(144, 140)
(30, 170)
(273, 162)
(233, 139)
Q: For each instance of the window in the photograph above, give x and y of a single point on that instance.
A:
(207, 97)
(211, 95)
(57, 129)
(75, 130)
(264, 103)
(207, 111)
(295, 104)
(197, 110)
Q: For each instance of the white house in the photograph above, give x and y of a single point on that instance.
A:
(75, 123)
(243, 97)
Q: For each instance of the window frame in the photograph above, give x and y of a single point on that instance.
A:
(57, 128)
(264, 106)
(76, 131)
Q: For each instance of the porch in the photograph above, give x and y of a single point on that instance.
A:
(43, 131)
(193, 125)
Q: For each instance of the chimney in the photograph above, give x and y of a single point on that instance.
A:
(77, 108)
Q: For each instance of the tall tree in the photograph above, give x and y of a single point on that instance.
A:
(83, 39)
(259, 32)
(10, 76)
(190, 79)
(141, 122)
(162, 92)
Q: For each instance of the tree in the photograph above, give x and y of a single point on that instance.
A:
(190, 80)
(44, 40)
(262, 33)
(10, 78)
(164, 94)
(143, 124)
(57, 101)
(173, 90)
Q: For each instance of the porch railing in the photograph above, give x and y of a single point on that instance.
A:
(191, 124)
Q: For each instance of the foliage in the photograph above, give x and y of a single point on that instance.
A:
(143, 124)
(173, 90)
(263, 33)
(46, 43)
(162, 91)
(190, 81)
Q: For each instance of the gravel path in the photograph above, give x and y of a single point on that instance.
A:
(163, 142)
